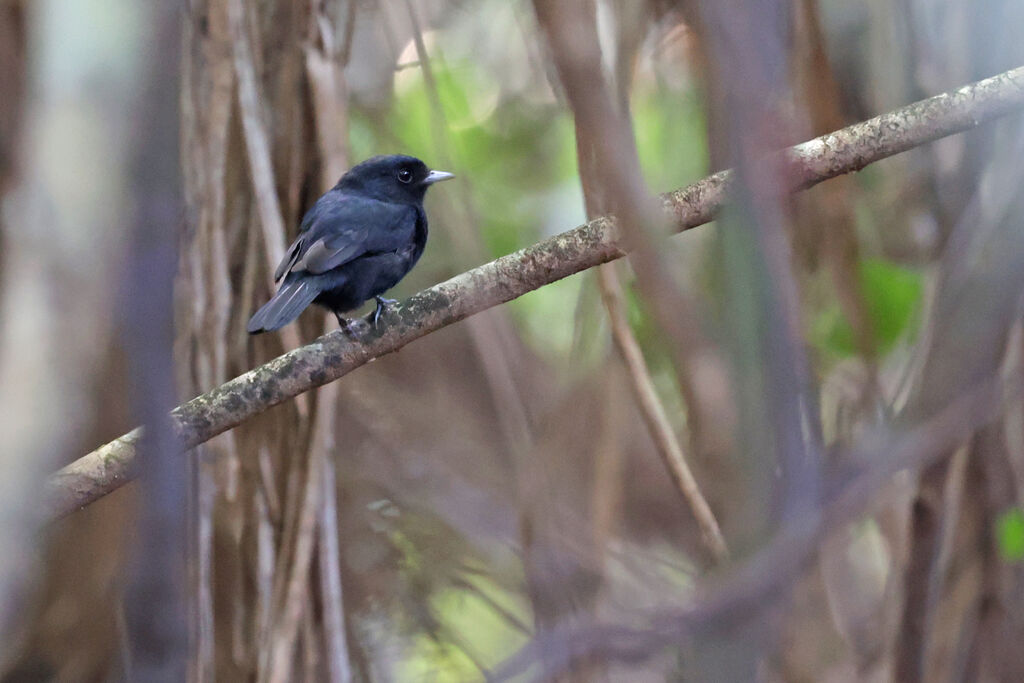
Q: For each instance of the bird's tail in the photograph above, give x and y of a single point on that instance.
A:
(284, 307)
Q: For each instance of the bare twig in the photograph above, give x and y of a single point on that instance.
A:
(201, 659)
(329, 554)
(335, 355)
(581, 72)
(345, 50)
(654, 414)
(291, 578)
(257, 145)
(327, 86)
(485, 333)
(13, 71)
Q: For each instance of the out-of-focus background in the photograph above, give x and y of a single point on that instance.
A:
(502, 483)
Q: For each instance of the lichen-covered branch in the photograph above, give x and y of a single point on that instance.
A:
(335, 355)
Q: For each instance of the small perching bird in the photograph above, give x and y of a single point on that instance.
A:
(357, 242)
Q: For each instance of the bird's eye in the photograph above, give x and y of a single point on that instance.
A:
(405, 175)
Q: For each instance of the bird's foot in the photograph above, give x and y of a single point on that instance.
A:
(382, 304)
(348, 326)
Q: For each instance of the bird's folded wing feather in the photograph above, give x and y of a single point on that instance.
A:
(290, 257)
(339, 229)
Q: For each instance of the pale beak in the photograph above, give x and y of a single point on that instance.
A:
(436, 177)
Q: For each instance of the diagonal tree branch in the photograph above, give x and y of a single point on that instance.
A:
(335, 355)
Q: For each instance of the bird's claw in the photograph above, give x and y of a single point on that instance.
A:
(382, 304)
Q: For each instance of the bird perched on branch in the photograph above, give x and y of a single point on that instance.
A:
(357, 242)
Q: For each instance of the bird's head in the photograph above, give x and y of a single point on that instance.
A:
(392, 178)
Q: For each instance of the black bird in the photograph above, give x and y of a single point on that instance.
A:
(357, 242)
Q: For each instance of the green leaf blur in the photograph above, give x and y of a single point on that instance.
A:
(892, 297)
(1010, 535)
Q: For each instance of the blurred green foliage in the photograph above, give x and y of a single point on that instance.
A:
(1010, 535)
(510, 155)
(475, 635)
(671, 138)
(892, 297)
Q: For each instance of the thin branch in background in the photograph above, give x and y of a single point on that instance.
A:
(257, 143)
(609, 169)
(949, 521)
(124, 649)
(205, 281)
(608, 459)
(257, 146)
(281, 557)
(266, 562)
(201, 496)
(329, 554)
(490, 335)
(335, 355)
(345, 49)
(601, 131)
(579, 73)
(292, 576)
(654, 414)
(327, 86)
(423, 61)
(291, 597)
(13, 70)
(268, 487)
(467, 240)
(311, 651)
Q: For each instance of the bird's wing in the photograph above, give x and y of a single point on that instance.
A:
(290, 257)
(339, 229)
